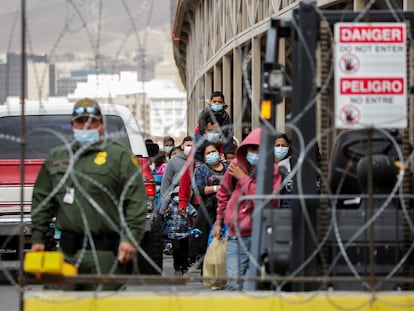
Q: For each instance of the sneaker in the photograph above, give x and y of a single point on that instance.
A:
(191, 260)
(168, 249)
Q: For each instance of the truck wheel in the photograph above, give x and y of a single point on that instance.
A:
(153, 245)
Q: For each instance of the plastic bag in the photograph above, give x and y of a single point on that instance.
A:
(215, 263)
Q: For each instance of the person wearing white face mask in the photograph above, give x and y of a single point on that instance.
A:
(216, 112)
(90, 180)
(185, 194)
(168, 143)
(282, 151)
(207, 179)
(283, 160)
(87, 127)
(211, 134)
(173, 172)
(240, 180)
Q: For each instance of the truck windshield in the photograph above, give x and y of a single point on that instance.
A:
(43, 133)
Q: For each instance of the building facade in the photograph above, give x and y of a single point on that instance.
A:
(158, 105)
(220, 45)
(40, 77)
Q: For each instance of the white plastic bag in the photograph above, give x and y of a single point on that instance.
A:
(214, 264)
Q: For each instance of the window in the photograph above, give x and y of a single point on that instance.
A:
(45, 132)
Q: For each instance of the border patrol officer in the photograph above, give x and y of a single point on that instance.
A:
(94, 188)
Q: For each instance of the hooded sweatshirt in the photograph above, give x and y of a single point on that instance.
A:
(171, 178)
(239, 214)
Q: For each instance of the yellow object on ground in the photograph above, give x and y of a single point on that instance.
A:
(49, 263)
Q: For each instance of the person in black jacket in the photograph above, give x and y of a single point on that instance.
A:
(216, 113)
(217, 108)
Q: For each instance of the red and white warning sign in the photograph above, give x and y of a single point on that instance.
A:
(370, 75)
(372, 86)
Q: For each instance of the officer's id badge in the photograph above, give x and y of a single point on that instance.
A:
(100, 158)
(134, 160)
(69, 197)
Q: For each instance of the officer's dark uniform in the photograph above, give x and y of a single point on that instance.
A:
(97, 192)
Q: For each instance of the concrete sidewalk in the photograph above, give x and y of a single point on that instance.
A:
(168, 269)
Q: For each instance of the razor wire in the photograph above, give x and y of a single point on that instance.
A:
(95, 39)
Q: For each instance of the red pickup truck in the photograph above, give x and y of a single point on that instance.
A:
(48, 125)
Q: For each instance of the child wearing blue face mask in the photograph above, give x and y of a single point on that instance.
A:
(216, 108)
(178, 231)
(216, 113)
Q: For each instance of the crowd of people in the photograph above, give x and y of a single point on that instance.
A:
(199, 183)
(202, 184)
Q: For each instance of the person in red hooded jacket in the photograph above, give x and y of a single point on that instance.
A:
(240, 180)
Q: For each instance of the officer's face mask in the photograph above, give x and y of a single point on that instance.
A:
(85, 137)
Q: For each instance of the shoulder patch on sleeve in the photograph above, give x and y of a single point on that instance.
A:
(100, 158)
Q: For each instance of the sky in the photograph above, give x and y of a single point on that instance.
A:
(70, 26)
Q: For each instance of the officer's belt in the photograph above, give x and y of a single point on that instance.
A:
(71, 242)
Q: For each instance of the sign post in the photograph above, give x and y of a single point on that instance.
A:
(370, 75)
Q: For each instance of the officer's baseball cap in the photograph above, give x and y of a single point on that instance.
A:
(86, 107)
